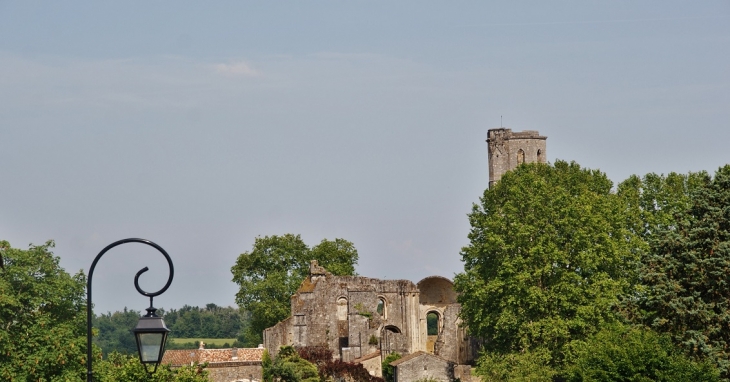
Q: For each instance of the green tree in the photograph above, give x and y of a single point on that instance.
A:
(687, 271)
(533, 365)
(622, 353)
(42, 313)
(388, 370)
(550, 250)
(114, 332)
(271, 273)
(290, 367)
(657, 199)
(127, 368)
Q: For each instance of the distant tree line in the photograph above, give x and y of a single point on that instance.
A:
(211, 321)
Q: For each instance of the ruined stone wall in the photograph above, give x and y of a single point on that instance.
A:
(358, 316)
(463, 374)
(508, 149)
(278, 335)
(449, 339)
(342, 312)
(425, 367)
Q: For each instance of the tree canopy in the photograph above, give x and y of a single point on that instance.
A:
(550, 252)
(686, 273)
(127, 368)
(43, 317)
(272, 271)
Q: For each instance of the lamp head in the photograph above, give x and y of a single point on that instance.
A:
(151, 334)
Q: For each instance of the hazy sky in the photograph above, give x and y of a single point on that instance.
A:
(201, 125)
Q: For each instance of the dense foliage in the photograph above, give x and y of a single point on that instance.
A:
(566, 280)
(335, 370)
(212, 321)
(43, 317)
(127, 368)
(388, 370)
(114, 332)
(620, 353)
(288, 366)
(686, 274)
(549, 254)
(271, 273)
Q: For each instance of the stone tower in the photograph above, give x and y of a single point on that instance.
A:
(507, 150)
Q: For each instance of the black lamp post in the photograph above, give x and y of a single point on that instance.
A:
(151, 331)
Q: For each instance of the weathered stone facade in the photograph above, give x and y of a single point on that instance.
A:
(421, 365)
(508, 149)
(357, 316)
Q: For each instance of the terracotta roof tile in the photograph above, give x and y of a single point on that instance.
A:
(186, 356)
(367, 357)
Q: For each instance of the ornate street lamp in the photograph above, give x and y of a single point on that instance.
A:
(151, 332)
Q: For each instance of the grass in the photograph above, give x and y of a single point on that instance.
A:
(212, 341)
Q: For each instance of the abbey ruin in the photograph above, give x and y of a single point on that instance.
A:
(362, 319)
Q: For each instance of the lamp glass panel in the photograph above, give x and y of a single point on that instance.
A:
(149, 346)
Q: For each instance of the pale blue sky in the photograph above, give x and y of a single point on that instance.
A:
(200, 126)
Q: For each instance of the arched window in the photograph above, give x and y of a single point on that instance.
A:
(539, 156)
(381, 307)
(520, 157)
(342, 309)
(432, 324)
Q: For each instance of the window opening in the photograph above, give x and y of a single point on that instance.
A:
(342, 309)
(432, 323)
(381, 307)
(520, 157)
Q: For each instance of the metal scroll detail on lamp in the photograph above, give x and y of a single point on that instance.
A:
(151, 332)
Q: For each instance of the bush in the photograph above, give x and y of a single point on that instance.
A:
(621, 353)
(528, 366)
(389, 371)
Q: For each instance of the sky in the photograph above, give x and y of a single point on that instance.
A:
(202, 125)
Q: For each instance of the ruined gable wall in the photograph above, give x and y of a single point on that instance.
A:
(423, 367)
(278, 336)
(315, 320)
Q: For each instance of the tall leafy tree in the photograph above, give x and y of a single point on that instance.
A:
(549, 253)
(688, 294)
(657, 199)
(43, 317)
(272, 271)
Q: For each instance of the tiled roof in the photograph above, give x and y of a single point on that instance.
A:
(414, 356)
(367, 357)
(185, 357)
(180, 357)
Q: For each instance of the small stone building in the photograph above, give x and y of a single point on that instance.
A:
(422, 365)
(357, 316)
(224, 365)
(508, 149)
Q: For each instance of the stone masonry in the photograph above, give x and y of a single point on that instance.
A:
(508, 149)
(357, 316)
